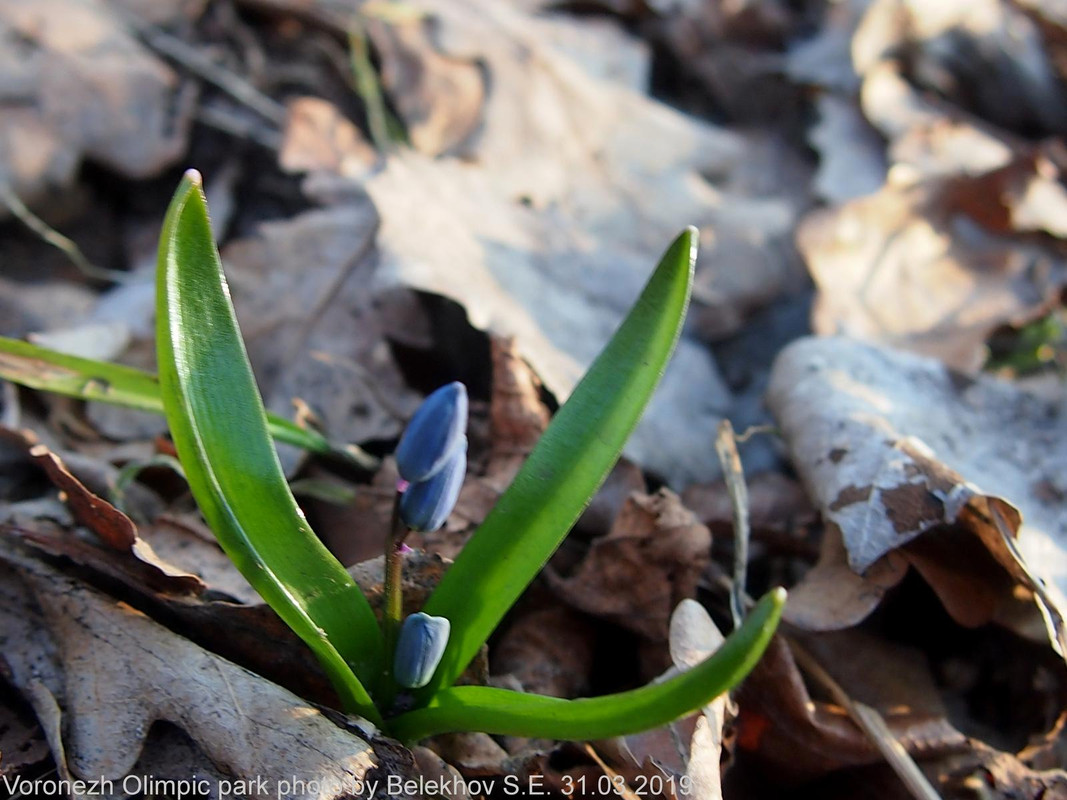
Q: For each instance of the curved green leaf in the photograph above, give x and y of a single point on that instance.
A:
(217, 420)
(51, 371)
(569, 463)
(500, 711)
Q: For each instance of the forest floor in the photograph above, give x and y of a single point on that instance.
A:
(407, 193)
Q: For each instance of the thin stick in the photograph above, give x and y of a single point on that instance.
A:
(872, 724)
(726, 447)
(866, 718)
(1046, 603)
(199, 64)
(224, 121)
(757, 430)
(53, 237)
(618, 782)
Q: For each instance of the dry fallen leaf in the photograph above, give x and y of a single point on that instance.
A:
(299, 287)
(1003, 776)
(188, 543)
(439, 98)
(832, 595)
(732, 50)
(796, 737)
(21, 741)
(116, 530)
(472, 752)
(929, 135)
(893, 447)
(987, 57)
(121, 672)
(777, 505)
(554, 219)
(549, 651)
(824, 58)
(318, 136)
(927, 266)
(434, 768)
(517, 413)
(649, 562)
(851, 154)
(694, 637)
(77, 84)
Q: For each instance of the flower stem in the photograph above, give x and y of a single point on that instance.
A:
(393, 604)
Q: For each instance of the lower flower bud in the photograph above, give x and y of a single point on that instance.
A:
(419, 649)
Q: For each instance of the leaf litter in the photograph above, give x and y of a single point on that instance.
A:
(907, 157)
(155, 675)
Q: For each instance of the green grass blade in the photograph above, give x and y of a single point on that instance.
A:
(566, 467)
(217, 420)
(500, 711)
(51, 371)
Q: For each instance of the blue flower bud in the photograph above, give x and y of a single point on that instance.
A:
(424, 506)
(433, 434)
(419, 649)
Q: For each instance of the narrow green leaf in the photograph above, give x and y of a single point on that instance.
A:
(51, 371)
(217, 420)
(566, 467)
(500, 711)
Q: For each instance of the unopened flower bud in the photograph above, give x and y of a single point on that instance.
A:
(424, 506)
(419, 649)
(434, 433)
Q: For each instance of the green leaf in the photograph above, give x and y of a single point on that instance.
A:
(500, 711)
(571, 460)
(217, 420)
(50, 371)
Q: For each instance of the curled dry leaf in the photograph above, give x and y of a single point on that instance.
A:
(832, 595)
(173, 567)
(121, 672)
(942, 254)
(893, 447)
(113, 527)
(799, 738)
(691, 746)
(928, 134)
(649, 562)
(694, 637)
(975, 75)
